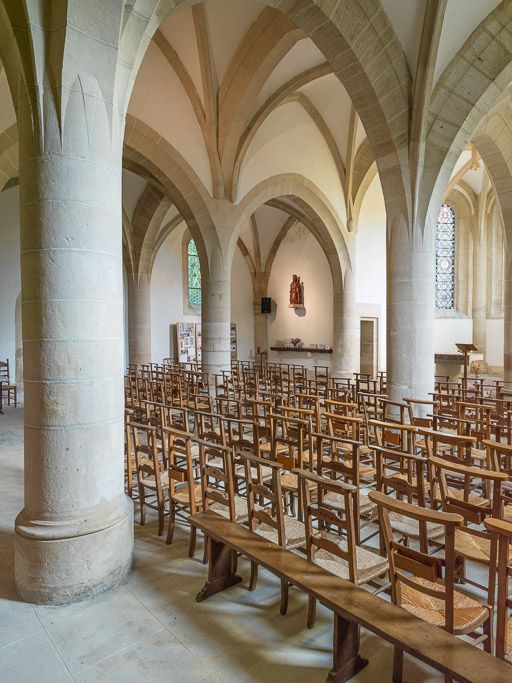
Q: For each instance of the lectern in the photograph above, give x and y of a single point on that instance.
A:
(465, 349)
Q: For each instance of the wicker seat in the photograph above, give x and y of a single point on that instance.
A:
(407, 527)
(368, 565)
(473, 547)
(294, 532)
(241, 514)
(467, 613)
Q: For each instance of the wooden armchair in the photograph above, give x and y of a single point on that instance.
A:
(406, 476)
(472, 541)
(267, 515)
(152, 477)
(502, 532)
(424, 585)
(331, 539)
(185, 496)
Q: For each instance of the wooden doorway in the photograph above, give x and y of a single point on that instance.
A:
(369, 346)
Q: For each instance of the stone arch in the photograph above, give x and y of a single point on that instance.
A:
(467, 89)
(373, 70)
(145, 150)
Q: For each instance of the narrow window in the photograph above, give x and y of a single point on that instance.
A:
(445, 259)
(194, 275)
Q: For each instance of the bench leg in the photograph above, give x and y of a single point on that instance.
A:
(221, 574)
(345, 654)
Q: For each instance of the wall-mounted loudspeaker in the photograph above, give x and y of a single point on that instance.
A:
(266, 304)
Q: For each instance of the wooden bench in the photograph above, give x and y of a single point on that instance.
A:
(352, 607)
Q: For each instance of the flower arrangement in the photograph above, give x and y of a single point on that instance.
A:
(296, 342)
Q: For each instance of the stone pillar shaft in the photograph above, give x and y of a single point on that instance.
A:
(346, 334)
(74, 536)
(410, 314)
(216, 320)
(507, 350)
(139, 320)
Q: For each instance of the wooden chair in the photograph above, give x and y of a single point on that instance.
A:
(339, 458)
(419, 584)
(152, 477)
(288, 439)
(406, 476)
(267, 516)
(185, 497)
(217, 468)
(9, 391)
(331, 539)
(502, 531)
(472, 541)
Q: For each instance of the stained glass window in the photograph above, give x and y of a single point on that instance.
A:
(445, 259)
(194, 275)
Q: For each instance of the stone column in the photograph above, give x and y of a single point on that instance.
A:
(507, 314)
(139, 320)
(74, 536)
(20, 387)
(479, 309)
(410, 312)
(260, 319)
(216, 317)
(346, 330)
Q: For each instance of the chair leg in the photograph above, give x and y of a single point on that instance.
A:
(284, 597)
(311, 612)
(254, 576)
(142, 502)
(192, 542)
(161, 518)
(398, 665)
(170, 527)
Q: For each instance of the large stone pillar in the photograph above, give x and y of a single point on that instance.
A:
(20, 386)
(507, 314)
(260, 319)
(346, 328)
(410, 312)
(480, 276)
(139, 320)
(74, 536)
(216, 317)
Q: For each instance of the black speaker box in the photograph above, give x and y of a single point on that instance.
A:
(266, 304)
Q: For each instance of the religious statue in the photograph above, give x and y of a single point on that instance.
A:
(296, 298)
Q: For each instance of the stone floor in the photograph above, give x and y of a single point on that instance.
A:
(151, 629)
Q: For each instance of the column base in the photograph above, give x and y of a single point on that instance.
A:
(61, 562)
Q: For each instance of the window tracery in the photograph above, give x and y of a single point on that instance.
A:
(445, 259)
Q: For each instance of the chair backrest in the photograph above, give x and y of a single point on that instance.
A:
(502, 532)
(4, 371)
(264, 499)
(318, 516)
(210, 427)
(406, 476)
(452, 477)
(217, 480)
(287, 440)
(406, 564)
(144, 442)
(178, 448)
(392, 435)
(452, 447)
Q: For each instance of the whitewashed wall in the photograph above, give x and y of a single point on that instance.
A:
(371, 263)
(300, 253)
(10, 273)
(167, 294)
